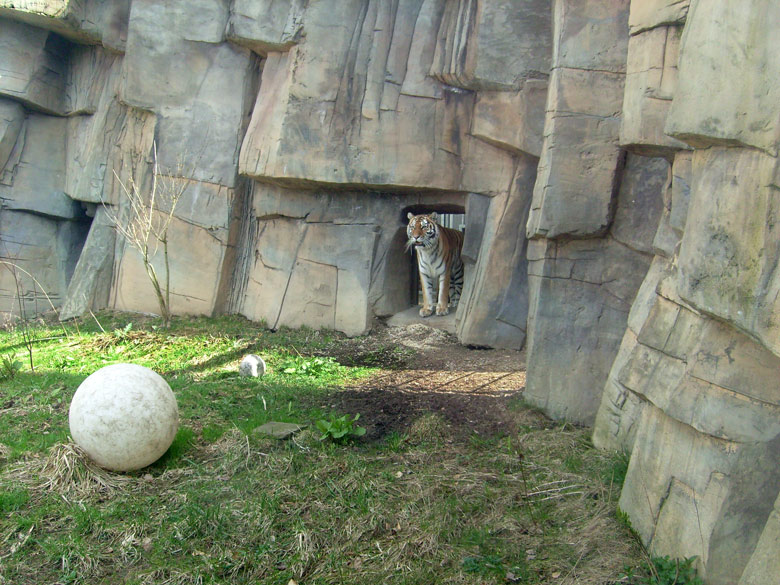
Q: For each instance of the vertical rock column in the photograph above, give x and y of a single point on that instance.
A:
(500, 51)
(179, 68)
(593, 215)
(651, 81)
(41, 227)
(694, 394)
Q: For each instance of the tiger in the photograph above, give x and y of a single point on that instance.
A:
(438, 261)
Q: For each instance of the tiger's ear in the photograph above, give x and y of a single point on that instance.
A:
(409, 215)
(434, 216)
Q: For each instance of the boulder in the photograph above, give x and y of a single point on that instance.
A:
(124, 416)
(251, 366)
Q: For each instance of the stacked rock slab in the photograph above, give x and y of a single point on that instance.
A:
(101, 98)
(694, 392)
(42, 228)
(593, 215)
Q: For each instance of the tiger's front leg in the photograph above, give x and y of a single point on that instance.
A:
(427, 291)
(443, 306)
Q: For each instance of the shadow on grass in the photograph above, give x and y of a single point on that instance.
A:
(386, 410)
(22, 345)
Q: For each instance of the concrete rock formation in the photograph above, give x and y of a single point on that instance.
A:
(301, 148)
(616, 161)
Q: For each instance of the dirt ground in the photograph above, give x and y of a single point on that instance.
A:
(425, 370)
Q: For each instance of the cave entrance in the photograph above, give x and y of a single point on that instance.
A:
(451, 216)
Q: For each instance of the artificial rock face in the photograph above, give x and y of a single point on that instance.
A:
(301, 133)
(652, 282)
(616, 161)
(693, 393)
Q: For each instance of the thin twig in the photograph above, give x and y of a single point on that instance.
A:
(96, 321)
(147, 226)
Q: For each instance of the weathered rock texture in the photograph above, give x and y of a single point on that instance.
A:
(694, 392)
(653, 280)
(303, 132)
(616, 161)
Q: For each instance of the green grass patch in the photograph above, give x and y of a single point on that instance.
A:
(226, 505)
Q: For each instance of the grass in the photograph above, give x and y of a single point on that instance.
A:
(225, 505)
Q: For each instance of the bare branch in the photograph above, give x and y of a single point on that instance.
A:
(150, 212)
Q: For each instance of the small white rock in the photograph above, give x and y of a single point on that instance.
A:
(252, 365)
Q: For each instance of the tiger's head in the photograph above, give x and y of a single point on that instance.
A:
(422, 230)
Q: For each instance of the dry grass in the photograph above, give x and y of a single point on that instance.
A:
(68, 472)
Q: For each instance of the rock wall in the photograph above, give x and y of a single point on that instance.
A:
(669, 348)
(616, 160)
(301, 132)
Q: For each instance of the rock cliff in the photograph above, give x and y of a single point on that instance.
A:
(616, 161)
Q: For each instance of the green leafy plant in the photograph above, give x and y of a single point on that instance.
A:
(9, 367)
(624, 519)
(666, 571)
(314, 367)
(491, 564)
(340, 428)
(122, 333)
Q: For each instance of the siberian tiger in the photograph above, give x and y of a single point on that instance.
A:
(438, 260)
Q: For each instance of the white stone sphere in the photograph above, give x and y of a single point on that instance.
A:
(124, 416)
(252, 365)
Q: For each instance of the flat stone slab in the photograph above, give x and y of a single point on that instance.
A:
(411, 316)
(279, 430)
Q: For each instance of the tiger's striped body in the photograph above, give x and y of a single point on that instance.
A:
(438, 261)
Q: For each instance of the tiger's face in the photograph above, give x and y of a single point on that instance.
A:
(422, 230)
